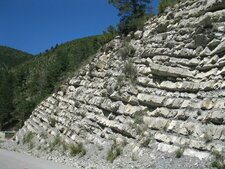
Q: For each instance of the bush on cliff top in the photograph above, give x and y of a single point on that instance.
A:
(163, 4)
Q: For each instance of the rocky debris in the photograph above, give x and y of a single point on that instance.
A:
(164, 89)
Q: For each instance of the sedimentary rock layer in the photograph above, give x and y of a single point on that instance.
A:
(172, 89)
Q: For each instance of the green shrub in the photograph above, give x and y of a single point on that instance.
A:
(28, 137)
(218, 161)
(130, 71)
(218, 165)
(77, 149)
(113, 153)
(126, 51)
(179, 153)
(217, 155)
(132, 24)
(52, 122)
(163, 4)
(31, 145)
(57, 140)
(65, 146)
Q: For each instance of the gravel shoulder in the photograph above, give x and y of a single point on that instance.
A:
(15, 160)
(95, 158)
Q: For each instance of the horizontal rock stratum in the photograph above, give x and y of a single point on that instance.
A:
(165, 82)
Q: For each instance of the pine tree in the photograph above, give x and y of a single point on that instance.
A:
(131, 7)
(6, 97)
(111, 30)
(130, 12)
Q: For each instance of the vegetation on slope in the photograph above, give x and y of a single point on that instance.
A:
(163, 4)
(10, 57)
(29, 83)
(133, 14)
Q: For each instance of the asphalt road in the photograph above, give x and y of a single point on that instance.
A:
(15, 160)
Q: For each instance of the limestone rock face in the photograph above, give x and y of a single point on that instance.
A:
(167, 82)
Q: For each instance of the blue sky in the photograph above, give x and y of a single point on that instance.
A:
(35, 25)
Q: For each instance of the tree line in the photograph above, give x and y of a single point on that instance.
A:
(25, 85)
(134, 13)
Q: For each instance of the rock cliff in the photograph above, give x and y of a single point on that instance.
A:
(162, 86)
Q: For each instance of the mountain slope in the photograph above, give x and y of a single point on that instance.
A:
(10, 57)
(36, 78)
(163, 90)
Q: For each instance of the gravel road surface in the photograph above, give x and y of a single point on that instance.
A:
(15, 160)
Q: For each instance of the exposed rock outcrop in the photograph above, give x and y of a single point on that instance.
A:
(168, 85)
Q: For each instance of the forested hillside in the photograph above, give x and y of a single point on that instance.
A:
(10, 57)
(24, 86)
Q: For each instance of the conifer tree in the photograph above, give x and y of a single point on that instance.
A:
(130, 11)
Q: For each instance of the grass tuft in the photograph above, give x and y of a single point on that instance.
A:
(218, 161)
(78, 149)
(179, 153)
(113, 153)
(57, 140)
(130, 71)
(28, 137)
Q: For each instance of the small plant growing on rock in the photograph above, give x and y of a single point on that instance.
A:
(130, 71)
(31, 145)
(77, 149)
(217, 165)
(126, 51)
(52, 122)
(138, 124)
(55, 142)
(65, 146)
(179, 153)
(218, 161)
(113, 153)
(28, 137)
